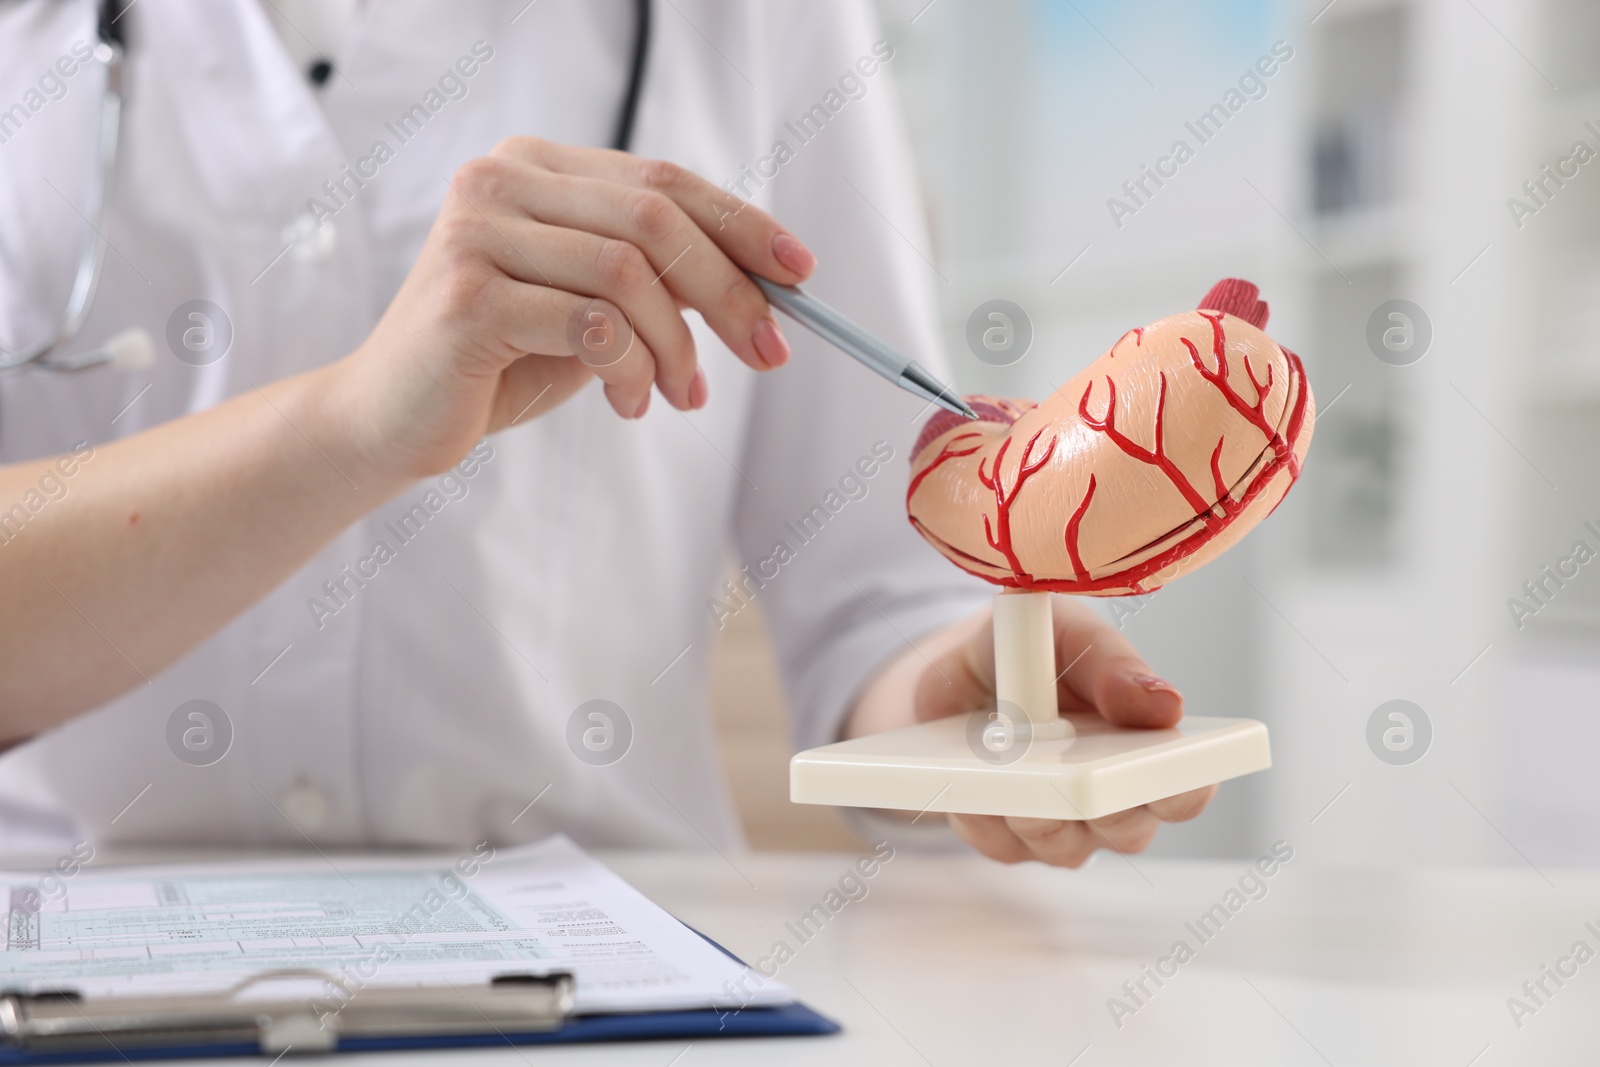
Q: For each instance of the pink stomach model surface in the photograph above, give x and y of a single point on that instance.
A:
(1154, 460)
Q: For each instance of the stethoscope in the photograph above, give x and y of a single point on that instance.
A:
(133, 349)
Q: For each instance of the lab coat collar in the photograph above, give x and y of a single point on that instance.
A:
(257, 113)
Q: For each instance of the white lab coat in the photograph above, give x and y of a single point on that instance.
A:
(433, 705)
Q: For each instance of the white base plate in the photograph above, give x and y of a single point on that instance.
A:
(1105, 769)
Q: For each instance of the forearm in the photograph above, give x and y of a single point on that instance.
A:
(155, 542)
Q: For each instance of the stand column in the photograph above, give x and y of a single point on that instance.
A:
(1025, 661)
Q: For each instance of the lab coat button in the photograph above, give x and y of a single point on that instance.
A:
(311, 241)
(306, 806)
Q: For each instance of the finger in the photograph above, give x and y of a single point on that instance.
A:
(534, 385)
(961, 678)
(1184, 806)
(1058, 842)
(990, 835)
(1100, 671)
(1125, 831)
(699, 389)
(753, 239)
(482, 215)
(535, 319)
(590, 265)
(693, 267)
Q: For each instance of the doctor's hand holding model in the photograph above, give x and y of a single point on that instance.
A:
(381, 515)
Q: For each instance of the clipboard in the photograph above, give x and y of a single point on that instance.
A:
(512, 1009)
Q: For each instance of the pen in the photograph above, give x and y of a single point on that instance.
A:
(856, 342)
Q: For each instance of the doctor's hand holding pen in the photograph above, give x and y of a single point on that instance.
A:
(547, 265)
(569, 252)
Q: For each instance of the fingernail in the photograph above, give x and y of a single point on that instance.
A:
(698, 389)
(1152, 684)
(770, 343)
(643, 407)
(787, 249)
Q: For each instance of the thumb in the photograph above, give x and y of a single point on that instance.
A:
(1101, 672)
(534, 385)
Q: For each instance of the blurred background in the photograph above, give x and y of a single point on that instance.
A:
(1412, 189)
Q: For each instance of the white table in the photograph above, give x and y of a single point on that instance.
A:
(953, 960)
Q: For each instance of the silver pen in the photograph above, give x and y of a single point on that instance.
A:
(856, 342)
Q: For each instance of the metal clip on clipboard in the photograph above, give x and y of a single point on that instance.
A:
(64, 1022)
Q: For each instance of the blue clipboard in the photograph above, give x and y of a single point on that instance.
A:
(788, 1020)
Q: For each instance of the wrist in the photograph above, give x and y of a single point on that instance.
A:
(316, 405)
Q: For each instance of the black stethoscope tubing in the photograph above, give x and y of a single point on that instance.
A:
(622, 140)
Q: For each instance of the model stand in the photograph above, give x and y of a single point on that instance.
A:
(1022, 757)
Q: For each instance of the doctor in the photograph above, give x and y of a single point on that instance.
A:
(366, 502)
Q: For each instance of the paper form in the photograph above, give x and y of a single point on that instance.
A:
(196, 928)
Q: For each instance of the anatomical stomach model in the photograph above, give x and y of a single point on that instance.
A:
(1151, 462)
(1154, 460)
